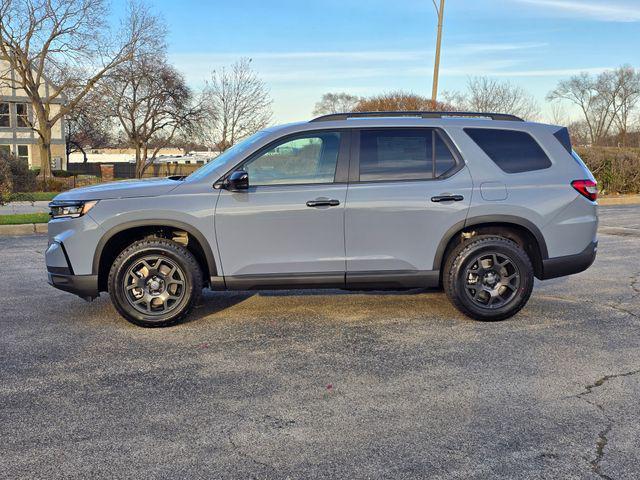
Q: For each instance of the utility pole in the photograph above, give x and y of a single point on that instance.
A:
(436, 67)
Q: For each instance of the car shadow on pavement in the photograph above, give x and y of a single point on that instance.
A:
(214, 302)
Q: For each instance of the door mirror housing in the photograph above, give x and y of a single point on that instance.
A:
(238, 181)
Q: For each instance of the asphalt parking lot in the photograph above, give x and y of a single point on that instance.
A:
(325, 384)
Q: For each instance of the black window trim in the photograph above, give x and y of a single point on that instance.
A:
(354, 170)
(342, 163)
(549, 157)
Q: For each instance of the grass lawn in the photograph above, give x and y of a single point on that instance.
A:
(20, 218)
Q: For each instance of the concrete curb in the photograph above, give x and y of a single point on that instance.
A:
(24, 229)
(621, 200)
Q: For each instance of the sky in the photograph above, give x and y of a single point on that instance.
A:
(305, 48)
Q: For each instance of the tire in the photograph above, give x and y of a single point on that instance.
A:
(488, 278)
(155, 282)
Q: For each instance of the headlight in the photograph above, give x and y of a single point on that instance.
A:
(71, 208)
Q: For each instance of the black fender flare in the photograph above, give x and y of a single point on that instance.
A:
(483, 219)
(206, 248)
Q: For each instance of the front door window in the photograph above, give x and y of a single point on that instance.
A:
(303, 160)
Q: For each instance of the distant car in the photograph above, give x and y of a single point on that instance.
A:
(476, 203)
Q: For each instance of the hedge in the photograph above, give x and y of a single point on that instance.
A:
(616, 169)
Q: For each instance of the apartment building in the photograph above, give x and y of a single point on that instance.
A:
(16, 117)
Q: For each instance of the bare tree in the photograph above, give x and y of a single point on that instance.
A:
(579, 132)
(596, 97)
(152, 103)
(89, 125)
(559, 115)
(399, 101)
(237, 103)
(60, 49)
(335, 103)
(627, 87)
(486, 94)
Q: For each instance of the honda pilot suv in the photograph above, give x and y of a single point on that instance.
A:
(478, 204)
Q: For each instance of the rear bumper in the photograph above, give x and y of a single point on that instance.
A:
(85, 286)
(569, 264)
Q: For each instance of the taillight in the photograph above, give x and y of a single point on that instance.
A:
(586, 188)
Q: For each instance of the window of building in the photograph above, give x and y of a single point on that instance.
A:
(23, 152)
(403, 154)
(308, 159)
(5, 115)
(22, 114)
(5, 150)
(512, 151)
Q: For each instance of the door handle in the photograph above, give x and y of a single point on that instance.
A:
(323, 202)
(447, 198)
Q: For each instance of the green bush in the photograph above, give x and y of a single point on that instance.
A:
(6, 180)
(62, 173)
(51, 185)
(23, 179)
(616, 169)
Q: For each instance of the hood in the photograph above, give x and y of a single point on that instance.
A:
(121, 189)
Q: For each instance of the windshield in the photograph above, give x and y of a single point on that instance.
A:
(221, 159)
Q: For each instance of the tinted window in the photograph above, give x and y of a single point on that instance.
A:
(309, 159)
(403, 154)
(443, 158)
(512, 151)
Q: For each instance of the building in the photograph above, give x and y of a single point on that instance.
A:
(16, 115)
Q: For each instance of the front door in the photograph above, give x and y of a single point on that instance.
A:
(288, 227)
(407, 188)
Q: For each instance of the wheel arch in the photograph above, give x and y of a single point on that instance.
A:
(520, 230)
(113, 241)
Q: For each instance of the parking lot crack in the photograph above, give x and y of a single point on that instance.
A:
(601, 381)
(635, 283)
(600, 446)
(603, 439)
(240, 450)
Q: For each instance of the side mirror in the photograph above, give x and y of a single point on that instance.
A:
(238, 181)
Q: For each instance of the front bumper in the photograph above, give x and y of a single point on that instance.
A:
(569, 264)
(60, 273)
(85, 286)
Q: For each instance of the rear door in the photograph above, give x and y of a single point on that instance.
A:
(407, 187)
(288, 227)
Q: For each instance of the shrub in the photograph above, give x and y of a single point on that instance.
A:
(51, 185)
(62, 174)
(616, 169)
(24, 180)
(6, 180)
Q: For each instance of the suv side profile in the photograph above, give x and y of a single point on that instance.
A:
(476, 203)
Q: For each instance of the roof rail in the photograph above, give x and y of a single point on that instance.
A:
(421, 114)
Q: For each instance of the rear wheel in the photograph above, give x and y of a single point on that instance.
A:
(488, 278)
(155, 282)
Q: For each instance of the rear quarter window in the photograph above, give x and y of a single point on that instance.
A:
(512, 151)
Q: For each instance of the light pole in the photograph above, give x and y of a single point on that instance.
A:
(436, 67)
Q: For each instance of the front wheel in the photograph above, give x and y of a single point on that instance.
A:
(488, 278)
(155, 282)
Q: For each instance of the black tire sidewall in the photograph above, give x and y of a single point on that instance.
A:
(457, 280)
(175, 253)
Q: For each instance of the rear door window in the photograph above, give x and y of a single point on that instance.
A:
(512, 151)
(403, 154)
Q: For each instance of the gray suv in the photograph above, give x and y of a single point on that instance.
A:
(475, 203)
